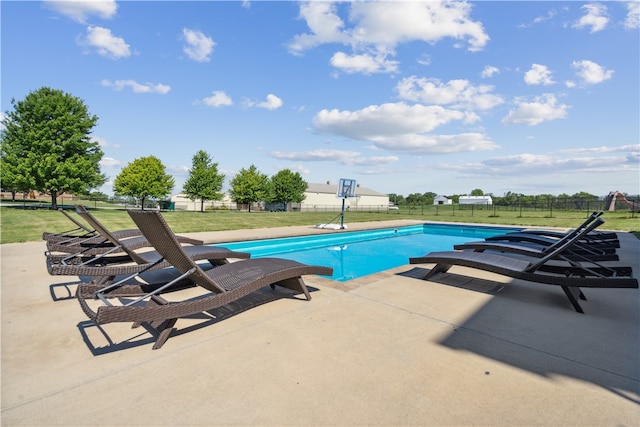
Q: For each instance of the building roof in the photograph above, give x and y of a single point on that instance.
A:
(332, 188)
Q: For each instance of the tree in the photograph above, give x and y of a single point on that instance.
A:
(46, 145)
(427, 198)
(10, 177)
(144, 178)
(249, 186)
(477, 192)
(287, 187)
(396, 199)
(204, 181)
(414, 199)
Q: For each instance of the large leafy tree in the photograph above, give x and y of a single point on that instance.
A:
(287, 187)
(46, 145)
(204, 181)
(249, 186)
(144, 179)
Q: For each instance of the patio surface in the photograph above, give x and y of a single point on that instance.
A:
(387, 349)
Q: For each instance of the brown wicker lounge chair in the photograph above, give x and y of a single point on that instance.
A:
(580, 251)
(125, 258)
(101, 240)
(551, 269)
(224, 284)
(83, 233)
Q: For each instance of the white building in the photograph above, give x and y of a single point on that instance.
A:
(323, 196)
(183, 203)
(475, 200)
(442, 200)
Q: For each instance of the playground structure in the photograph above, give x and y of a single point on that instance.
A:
(617, 197)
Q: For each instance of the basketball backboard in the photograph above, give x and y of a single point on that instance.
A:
(346, 188)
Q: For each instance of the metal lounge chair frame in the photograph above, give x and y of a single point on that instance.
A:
(82, 232)
(578, 252)
(607, 242)
(568, 274)
(122, 259)
(225, 284)
(97, 243)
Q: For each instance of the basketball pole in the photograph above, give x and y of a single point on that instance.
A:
(342, 215)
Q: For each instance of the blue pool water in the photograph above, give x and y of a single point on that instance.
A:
(359, 253)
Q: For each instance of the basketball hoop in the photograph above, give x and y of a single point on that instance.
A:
(346, 188)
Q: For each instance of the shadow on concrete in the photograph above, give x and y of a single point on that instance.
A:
(533, 327)
(93, 333)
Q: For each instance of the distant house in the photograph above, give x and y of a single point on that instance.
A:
(183, 203)
(442, 200)
(320, 196)
(475, 200)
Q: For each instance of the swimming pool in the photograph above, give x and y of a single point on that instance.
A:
(355, 254)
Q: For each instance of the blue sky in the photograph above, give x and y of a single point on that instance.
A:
(405, 97)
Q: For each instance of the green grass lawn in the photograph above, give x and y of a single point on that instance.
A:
(24, 225)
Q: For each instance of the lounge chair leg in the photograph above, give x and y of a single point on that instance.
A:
(573, 293)
(296, 284)
(165, 330)
(439, 268)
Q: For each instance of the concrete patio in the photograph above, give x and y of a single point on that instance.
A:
(387, 349)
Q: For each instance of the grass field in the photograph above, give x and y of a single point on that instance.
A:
(22, 225)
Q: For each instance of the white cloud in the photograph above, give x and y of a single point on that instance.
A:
(390, 23)
(632, 20)
(489, 71)
(400, 127)
(178, 170)
(198, 46)
(631, 148)
(364, 63)
(80, 10)
(378, 27)
(218, 99)
(2, 117)
(106, 43)
(437, 144)
(378, 121)
(543, 108)
(271, 103)
(103, 143)
(325, 25)
(590, 72)
(137, 87)
(350, 158)
(540, 19)
(110, 162)
(456, 93)
(538, 75)
(596, 17)
(555, 163)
